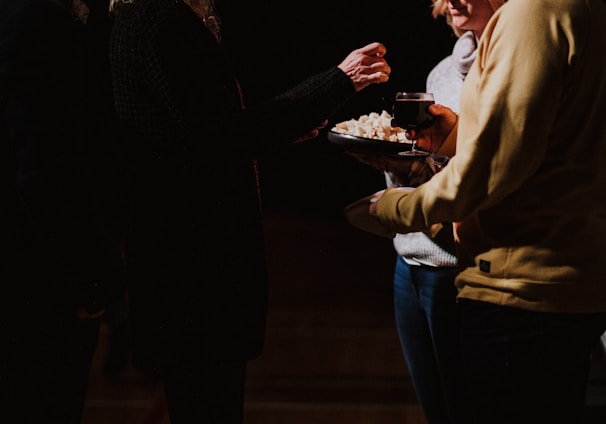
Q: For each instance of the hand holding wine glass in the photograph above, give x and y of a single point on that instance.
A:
(410, 111)
(433, 137)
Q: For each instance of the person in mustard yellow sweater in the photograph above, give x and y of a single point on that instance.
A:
(527, 191)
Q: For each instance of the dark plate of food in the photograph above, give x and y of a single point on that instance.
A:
(368, 145)
(370, 133)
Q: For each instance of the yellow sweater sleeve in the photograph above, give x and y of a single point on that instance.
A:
(449, 147)
(509, 102)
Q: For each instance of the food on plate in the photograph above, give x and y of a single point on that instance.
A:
(373, 125)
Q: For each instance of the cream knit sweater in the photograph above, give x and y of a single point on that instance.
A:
(445, 82)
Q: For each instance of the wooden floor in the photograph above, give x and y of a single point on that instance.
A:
(332, 355)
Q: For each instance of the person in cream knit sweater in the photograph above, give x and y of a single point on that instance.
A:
(426, 311)
(527, 189)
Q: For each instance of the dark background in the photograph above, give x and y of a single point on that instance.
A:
(278, 43)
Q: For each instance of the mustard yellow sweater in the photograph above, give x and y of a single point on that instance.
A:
(528, 182)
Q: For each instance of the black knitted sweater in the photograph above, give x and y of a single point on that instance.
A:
(198, 282)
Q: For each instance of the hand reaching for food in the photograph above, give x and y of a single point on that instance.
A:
(366, 65)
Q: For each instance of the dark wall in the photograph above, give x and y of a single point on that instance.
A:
(278, 43)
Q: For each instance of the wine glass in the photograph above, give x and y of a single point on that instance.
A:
(410, 112)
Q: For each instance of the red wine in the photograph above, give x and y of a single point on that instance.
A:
(412, 114)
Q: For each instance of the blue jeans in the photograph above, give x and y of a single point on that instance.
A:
(427, 320)
(527, 367)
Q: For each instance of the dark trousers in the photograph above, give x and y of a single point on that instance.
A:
(212, 393)
(44, 370)
(527, 367)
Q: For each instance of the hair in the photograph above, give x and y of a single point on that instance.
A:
(440, 8)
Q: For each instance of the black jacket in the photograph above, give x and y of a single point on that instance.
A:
(198, 282)
(61, 208)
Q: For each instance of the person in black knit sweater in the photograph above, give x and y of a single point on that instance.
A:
(195, 254)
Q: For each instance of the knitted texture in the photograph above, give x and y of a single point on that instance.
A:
(195, 244)
(160, 72)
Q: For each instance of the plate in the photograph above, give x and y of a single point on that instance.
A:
(356, 214)
(368, 145)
